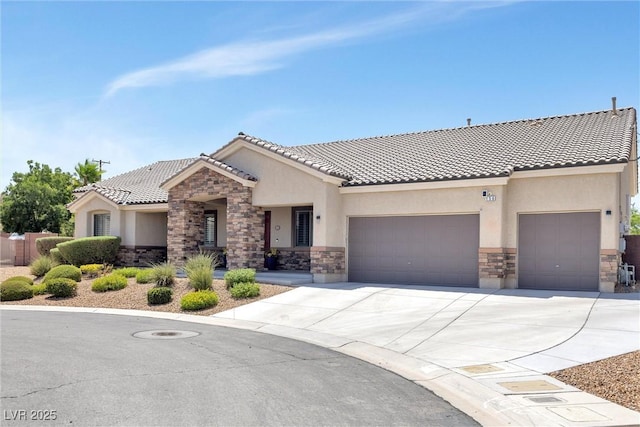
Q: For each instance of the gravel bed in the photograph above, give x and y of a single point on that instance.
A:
(134, 296)
(616, 379)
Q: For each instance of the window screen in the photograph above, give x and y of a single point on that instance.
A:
(101, 224)
(303, 226)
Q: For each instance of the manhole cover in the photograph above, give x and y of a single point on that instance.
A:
(165, 334)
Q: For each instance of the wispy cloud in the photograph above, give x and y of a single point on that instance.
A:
(255, 57)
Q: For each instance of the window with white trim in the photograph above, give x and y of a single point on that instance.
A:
(102, 224)
(210, 222)
(303, 226)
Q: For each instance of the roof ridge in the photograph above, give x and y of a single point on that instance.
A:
(482, 125)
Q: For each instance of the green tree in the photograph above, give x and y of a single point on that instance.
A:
(35, 201)
(635, 220)
(88, 172)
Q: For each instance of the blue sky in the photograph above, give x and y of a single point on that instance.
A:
(136, 82)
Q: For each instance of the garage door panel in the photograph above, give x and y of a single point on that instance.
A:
(559, 251)
(416, 250)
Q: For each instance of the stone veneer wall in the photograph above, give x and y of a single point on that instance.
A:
(294, 259)
(140, 256)
(609, 261)
(328, 260)
(245, 222)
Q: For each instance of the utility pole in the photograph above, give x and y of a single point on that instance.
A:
(101, 162)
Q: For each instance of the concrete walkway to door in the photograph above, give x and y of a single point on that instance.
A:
(485, 351)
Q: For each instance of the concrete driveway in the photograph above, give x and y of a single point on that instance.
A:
(485, 351)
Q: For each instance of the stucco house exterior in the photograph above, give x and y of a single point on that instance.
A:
(537, 204)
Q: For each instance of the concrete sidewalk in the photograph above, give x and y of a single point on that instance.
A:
(484, 351)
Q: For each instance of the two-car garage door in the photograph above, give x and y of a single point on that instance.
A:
(434, 249)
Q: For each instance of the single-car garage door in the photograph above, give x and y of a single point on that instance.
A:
(559, 251)
(435, 250)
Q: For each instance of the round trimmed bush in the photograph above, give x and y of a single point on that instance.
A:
(245, 290)
(40, 289)
(11, 290)
(144, 276)
(41, 265)
(45, 244)
(90, 250)
(24, 279)
(61, 287)
(242, 275)
(111, 282)
(57, 256)
(127, 272)
(199, 300)
(160, 295)
(65, 272)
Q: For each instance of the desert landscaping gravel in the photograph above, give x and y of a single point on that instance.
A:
(616, 379)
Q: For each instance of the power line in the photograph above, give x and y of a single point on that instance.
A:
(101, 162)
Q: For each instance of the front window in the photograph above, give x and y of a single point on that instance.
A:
(102, 225)
(210, 221)
(303, 227)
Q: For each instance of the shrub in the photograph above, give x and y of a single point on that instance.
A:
(41, 265)
(163, 274)
(127, 272)
(24, 279)
(64, 271)
(14, 290)
(199, 300)
(91, 250)
(45, 244)
(202, 260)
(160, 295)
(201, 279)
(144, 276)
(243, 275)
(111, 282)
(40, 289)
(245, 290)
(92, 270)
(61, 287)
(57, 257)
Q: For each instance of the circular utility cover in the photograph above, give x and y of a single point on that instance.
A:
(165, 334)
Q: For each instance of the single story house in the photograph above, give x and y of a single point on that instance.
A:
(538, 204)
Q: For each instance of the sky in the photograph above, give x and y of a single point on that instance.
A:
(132, 83)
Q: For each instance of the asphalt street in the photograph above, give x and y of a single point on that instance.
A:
(88, 369)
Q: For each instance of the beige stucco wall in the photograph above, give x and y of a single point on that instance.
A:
(150, 229)
(281, 184)
(571, 193)
(84, 217)
(220, 207)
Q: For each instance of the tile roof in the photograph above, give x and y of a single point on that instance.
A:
(469, 152)
(139, 186)
(228, 168)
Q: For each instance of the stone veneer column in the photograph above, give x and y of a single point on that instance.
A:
(328, 264)
(245, 231)
(185, 222)
(609, 261)
(494, 266)
(185, 219)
